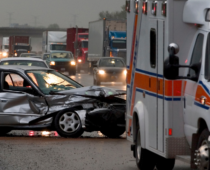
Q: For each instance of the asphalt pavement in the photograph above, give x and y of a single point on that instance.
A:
(28, 150)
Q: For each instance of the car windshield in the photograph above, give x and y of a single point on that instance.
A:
(24, 63)
(60, 47)
(50, 81)
(62, 55)
(6, 47)
(112, 62)
(84, 44)
(83, 36)
(27, 55)
(121, 44)
(22, 47)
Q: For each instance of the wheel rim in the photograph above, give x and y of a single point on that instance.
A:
(202, 156)
(69, 122)
(138, 150)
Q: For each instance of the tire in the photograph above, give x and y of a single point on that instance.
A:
(163, 163)
(68, 124)
(145, 160)
(4, 131)
(78, 70)
(203, 149)
(98, 83)
(113, 132)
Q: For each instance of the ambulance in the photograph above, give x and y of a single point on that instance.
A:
(168, 82)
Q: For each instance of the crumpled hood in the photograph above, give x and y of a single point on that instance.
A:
(94, 91)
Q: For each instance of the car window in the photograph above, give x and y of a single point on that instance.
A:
(62, 55)
(46, 56)
(24, 63)
(111, 63)
(51, 81)
(15, 82)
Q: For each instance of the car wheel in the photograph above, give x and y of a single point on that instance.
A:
(4, 131)
(68, 124)
(145, 160)
(113, 132)
(202, 153)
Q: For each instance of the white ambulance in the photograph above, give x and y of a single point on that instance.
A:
(168, 82)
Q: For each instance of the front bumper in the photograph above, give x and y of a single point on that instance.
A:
(111, 77)
(63, 66)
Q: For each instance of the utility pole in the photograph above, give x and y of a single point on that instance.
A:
(35, 21)
(10, 18)
(75, 18)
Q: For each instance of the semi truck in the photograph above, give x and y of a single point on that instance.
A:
(107, 38)
(18, 45)
(168, 88)
(4, 45)
(77, 43)
(54, 41)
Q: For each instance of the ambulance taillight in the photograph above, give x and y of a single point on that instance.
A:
(164, 8)
(154, 8)
(144, 7)
(136, 6)
(127, 6)
(208, 15)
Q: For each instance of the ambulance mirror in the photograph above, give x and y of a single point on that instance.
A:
(173, 48)
(171, 72)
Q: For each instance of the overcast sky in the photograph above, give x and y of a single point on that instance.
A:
(55, 11)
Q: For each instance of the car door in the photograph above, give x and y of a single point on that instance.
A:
(19, 101)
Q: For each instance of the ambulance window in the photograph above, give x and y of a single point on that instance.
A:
(207, 62)
(153, 48)
(197, 53)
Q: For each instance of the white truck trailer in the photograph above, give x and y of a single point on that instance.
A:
(168, 97)
(54, 41)
(4, 45)
(99, 39)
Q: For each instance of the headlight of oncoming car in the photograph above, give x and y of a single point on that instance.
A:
(52, 63)
(73, 63)
(4, 54)
(101, 72)
(125, 72)
(79, 60)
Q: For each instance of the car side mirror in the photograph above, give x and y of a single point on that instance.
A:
(171, 65)
(171, 69)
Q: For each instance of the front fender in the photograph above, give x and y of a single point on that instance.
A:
(139, 116)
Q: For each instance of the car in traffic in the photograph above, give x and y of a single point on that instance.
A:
(27, 54)
(22, 61)
(62, 61)
(109, 69)
(34, 98)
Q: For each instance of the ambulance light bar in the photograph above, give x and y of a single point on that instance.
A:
(144, 7)
(208, 15)
(154, 8)
(127, 6)
(164, 8)
(136, 6)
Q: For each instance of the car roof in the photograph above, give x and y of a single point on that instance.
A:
(60, 52)
(22, 68)
(22, 58)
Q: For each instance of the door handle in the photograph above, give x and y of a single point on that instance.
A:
(3, 100)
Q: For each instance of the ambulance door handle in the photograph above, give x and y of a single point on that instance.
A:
(158, 85)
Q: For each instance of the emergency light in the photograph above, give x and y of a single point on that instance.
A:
(208, 15)
(127, 6)
(144, 7)
(164, 5)
(154, 8)
(136, 6)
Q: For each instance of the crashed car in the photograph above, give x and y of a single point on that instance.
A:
(34, 98)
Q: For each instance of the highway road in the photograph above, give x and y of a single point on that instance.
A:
(27, 150)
